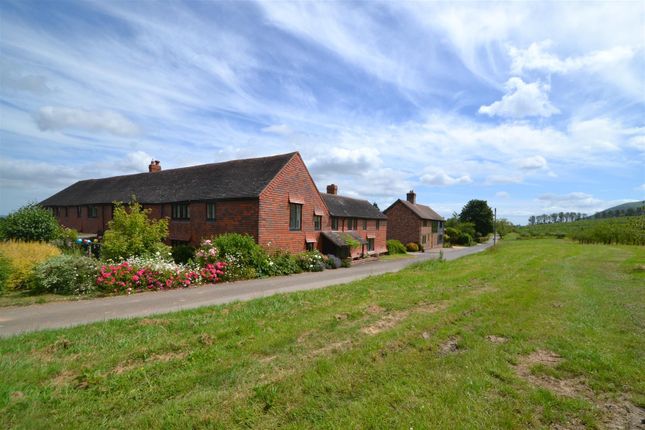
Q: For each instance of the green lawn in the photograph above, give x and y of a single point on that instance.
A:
(406, 350)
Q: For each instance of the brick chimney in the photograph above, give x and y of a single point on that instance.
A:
(332, 189)
(154, 166)
(412, 197)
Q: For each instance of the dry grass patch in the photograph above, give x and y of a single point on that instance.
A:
(154, 358)
(616, 413)
(451, 346)
(496, 339)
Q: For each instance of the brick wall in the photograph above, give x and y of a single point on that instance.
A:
(231, 216)
(84, 224)
(403, 224)
(292, 183)
(238, 216)
(380, 234)
(406, 226)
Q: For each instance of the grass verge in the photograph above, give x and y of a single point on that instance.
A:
(532, 334)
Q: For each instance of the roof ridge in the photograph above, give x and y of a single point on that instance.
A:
(174, 169)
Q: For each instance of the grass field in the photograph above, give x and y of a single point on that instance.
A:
(628, 230)
(532, 334)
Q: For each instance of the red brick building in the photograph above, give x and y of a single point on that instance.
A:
(274, 199)
(353, 221)
(409, 221)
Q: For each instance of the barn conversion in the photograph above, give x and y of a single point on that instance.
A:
(274, 199)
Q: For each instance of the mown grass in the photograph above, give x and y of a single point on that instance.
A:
(370, 354)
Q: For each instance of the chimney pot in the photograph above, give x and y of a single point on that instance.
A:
(412, 197)
(154, 166)
(332, 189)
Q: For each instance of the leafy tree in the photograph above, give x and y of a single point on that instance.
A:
(132, 233)
(504, 227)
(479, 213)
(30, 223)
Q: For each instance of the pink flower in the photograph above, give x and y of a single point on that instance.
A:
(135, 278)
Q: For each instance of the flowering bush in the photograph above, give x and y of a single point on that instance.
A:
(207, 253)
(311, 261)
(65, 274)
(281, 263)
(333, 262)
(154, 273)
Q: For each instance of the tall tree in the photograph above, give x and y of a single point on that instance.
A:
(479, 213)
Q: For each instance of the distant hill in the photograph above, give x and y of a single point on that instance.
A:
(626, 209)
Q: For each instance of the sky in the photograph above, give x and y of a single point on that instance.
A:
(535, 107)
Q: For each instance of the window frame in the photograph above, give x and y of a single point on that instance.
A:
(92, 211)
(334, 223)
(79, 211)
(180, 211)
(317, 222)
(370, 244)
(295, 215)
(211, 207)
(378, 224)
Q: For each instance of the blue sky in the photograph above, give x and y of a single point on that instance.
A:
(535, 107)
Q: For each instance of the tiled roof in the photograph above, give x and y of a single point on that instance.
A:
(348, 207)
(422, 211)
(338, 238)
(217, 181)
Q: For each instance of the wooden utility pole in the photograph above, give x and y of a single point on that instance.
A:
(495, 229)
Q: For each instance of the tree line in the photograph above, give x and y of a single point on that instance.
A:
(556, 217)
(620, 212)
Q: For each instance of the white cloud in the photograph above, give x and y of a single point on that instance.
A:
(535, 162)
(598, 134)
(443, 179)
(20, 174)
(281, 129)
(576, 201)
(502, 194)
(637, 142)
(35, 84)
(535, 57)
(504, 179)
(135, 162)
(345, 161)
(641, 188)
(522, 100)
(60, 118)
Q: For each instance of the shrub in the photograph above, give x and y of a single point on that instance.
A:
(65, 274)
(411, 247)
(23, 256)
(333, 262)
(206, 253)
(245, 259)
(456, 236)
(132, 233)
(346, 262)
(395, 247)
(30, 223)
(182, 254)
(5, 271)
(311, 261)
(66, 241)
(282, 263)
